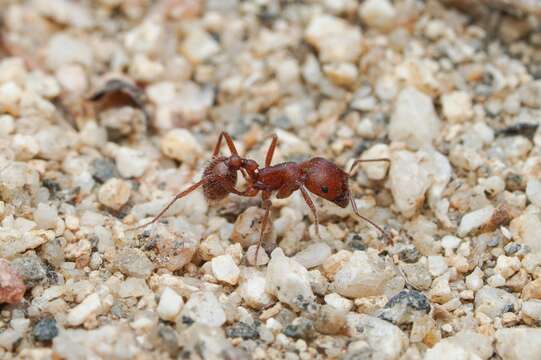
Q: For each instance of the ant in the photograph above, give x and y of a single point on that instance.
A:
(319, 176)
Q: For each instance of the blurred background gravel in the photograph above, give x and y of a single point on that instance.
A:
(449, 90)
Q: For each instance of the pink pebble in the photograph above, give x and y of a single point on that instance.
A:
(12, 287)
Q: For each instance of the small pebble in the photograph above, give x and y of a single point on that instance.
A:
(12, 287)
(170, 304)
(133, 262)
(225, 269)
(181, 145)
(361, 276)
(45, 329)
(115, 193)
(414, 120)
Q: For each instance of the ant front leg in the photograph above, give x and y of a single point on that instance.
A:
(312, 207)
(356, 211)
(270, 151)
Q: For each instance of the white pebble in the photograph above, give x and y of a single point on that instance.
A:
(436, 265)
(457, 106)
(474, 220)
(170, 304)
(335, 39)
(525, 230)
(342, 74)
(72, 78)
(262, 257)
(288, 280)
(252, 290)
(10, 96)
(338, 302)
(25, 147)
(204, 307)
(84, 310)
(506, 266)
(361, 276)
(532, 309)
(181, 145)
(46, 216)
(130, 162)
(376, 170)
(64, 48)
(133, 287)
(450, 242)
(474, 281)
(313, 255)
(378, 13)
(7, 125)
(224, 269)
(115, 193)
(409, 182)
(533, 191)
(199, 46)
(414, 120)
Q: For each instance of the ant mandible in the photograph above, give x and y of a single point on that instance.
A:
(319, 176)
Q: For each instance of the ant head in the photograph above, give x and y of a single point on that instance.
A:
(234, 162)
(326, 180)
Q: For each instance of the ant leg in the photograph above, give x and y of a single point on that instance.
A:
(356, 211)
(249, 192)
(270, 151)
(229, 142)
(312, 207)
(217, 146)
(266, 205)
(177, 196)
(231, 147)
(358, 161)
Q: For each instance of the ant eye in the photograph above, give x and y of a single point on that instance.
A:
(325, 189)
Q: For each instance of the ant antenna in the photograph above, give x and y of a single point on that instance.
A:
(353, 205)
(356, 211)
(358, 161)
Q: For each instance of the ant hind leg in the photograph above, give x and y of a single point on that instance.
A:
(177, 196)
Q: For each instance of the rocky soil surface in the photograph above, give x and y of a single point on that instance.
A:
(108, 108)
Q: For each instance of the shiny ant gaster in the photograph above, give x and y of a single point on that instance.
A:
(317, 175)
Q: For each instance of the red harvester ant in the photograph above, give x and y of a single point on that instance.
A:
(317, 175)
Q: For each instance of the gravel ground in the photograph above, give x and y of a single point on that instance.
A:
(108, 108)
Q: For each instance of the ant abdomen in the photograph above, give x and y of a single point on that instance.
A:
(218, 174)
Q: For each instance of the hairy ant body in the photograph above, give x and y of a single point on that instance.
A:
(318, 176)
